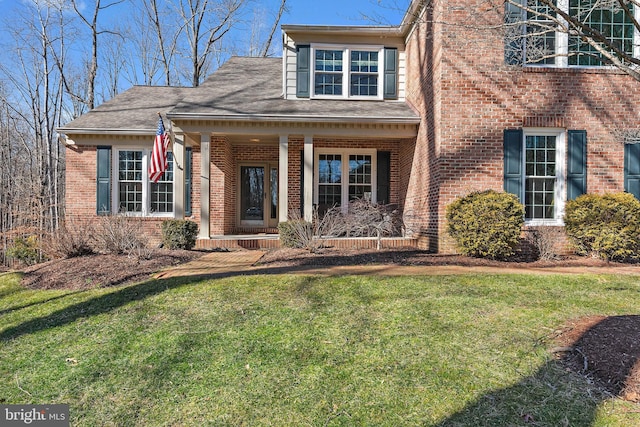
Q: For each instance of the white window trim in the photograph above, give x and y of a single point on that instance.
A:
(561, 173)
(345, 153)
(346, 70)
(146, 184)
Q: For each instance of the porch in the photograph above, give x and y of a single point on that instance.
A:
(272, 241)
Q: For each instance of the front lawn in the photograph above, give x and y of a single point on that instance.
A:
(467, 350)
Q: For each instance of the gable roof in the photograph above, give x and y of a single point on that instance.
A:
(251, 89)
(248, 89)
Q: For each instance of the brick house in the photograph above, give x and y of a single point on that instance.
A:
(419, 114)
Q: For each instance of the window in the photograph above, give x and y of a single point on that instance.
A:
(533, 35)
(356, 167)
(540, 177)
(134, 192)
(608, 19)
(364, 73)
(347, 72)
(535, 170)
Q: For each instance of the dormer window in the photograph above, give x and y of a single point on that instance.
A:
(350, 72)
(363, 72)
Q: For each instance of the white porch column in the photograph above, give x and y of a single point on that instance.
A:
(308, 178)
(205, 197)
(283, 179)
(179, 154)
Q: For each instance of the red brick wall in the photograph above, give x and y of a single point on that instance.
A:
(80, 195)
(467, 96)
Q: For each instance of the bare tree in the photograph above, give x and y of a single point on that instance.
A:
(205, 23)
(91, 22)
(159, 23)
(267, 45)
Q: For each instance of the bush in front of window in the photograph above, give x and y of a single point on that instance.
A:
(486, 224)
(605, 225)
(179, 234)
(121, 234)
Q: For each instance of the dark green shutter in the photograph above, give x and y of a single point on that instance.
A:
(383, 177)
(303, 72)
(577, 164)
(390, 73)
(513, 160)
(632, 169)
(103, 191)
(188, 165)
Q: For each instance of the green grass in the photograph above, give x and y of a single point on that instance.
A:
(469, 350)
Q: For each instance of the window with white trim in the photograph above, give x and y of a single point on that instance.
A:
(534, 33)
(344, 175)
(544, 176)
(347, 72)
(134, 193)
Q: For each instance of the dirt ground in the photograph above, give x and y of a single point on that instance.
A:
(606, 350)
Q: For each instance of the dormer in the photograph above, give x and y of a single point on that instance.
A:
(343, 62)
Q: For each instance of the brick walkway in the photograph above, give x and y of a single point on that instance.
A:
(244, 262)
(214, 263)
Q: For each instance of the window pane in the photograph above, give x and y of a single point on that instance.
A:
(364, 62)
(330, 168)
(130, 181)
(328, 84)
(328, 60)
(162, 191)
(364, 85)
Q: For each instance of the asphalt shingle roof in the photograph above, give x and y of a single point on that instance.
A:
(134, 110)
(243, 88)
(253, 87)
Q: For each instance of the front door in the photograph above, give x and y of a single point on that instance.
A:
(259, 195)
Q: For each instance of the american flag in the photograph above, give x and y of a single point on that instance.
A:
(159, 162)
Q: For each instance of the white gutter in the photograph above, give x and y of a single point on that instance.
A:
(293, 118)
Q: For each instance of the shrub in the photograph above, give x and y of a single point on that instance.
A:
(69, 241)
(119, 234)
(179, 234)
(606, 225)
(486, 224)
(24, 250)
(547, 241)
(295, 233)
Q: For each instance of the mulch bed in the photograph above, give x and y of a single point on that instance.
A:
(606, 350)
(95, 271)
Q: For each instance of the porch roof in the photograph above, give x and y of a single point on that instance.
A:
(251, 89)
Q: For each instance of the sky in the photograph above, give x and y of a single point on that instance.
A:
(342, 12)
(317, 12)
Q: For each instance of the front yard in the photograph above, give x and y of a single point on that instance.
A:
(467, 350)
